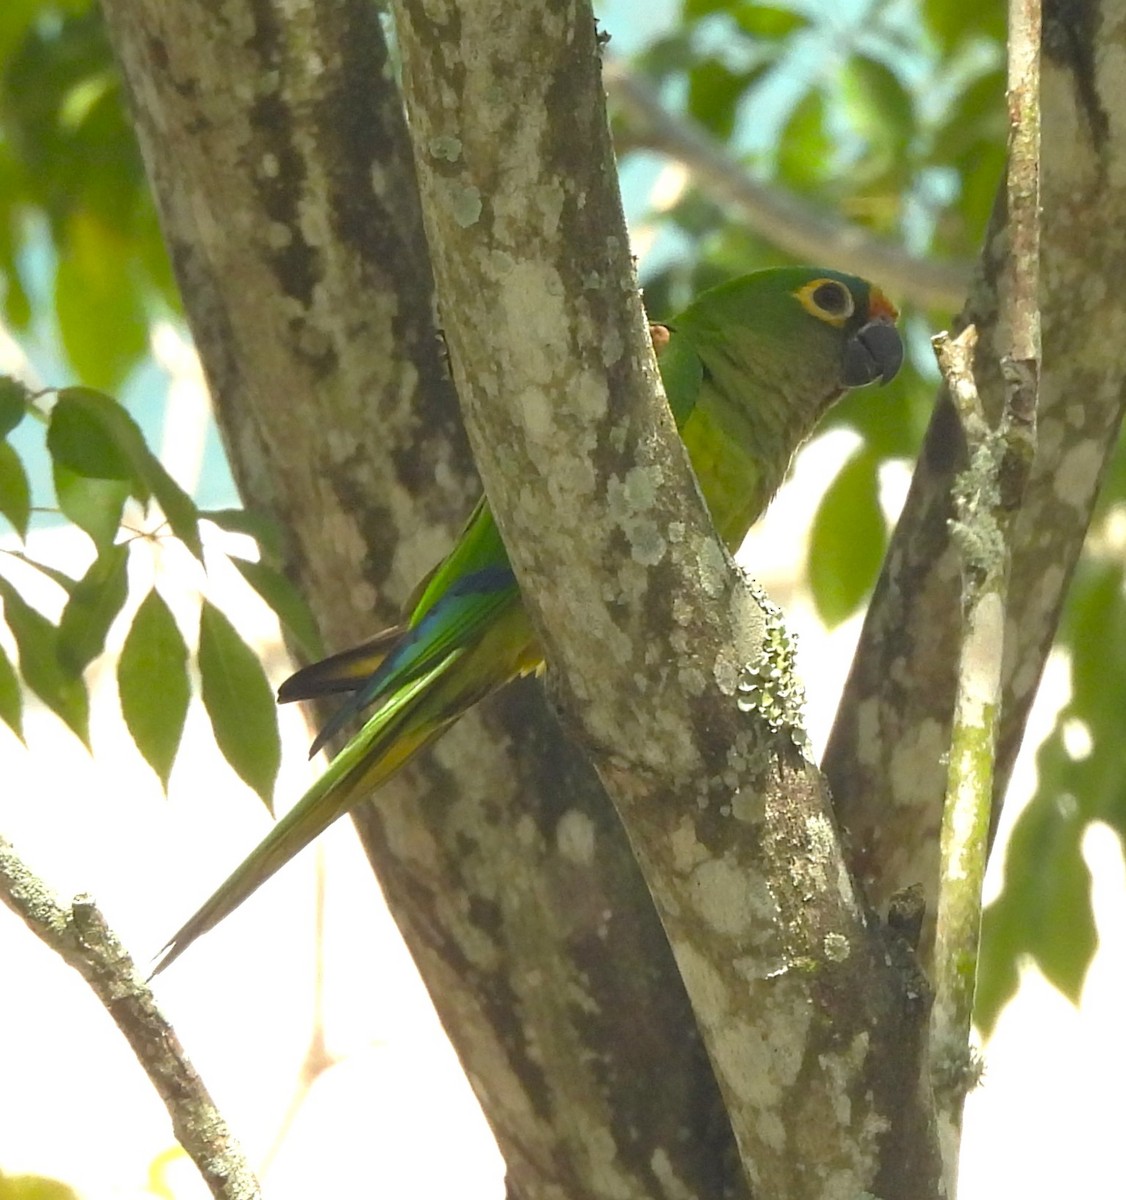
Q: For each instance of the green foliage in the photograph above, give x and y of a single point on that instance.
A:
(94, 505)
(15, 491)
(100, 461)
(68, 156)
(13, 404)
(11, 696)
(286, 604)
(847, 541)
(1044, 910)
(94, 602)
(155, 650)
(34, 1187)
(93, 436)
(41, 664)
(239, 701)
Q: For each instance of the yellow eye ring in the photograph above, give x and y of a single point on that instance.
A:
(828, 300)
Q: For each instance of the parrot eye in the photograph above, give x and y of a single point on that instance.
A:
(833, 298)
(827, 299)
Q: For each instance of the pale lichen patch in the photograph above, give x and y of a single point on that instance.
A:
(574, 837)
(762, 1058)
(609, 1178)
(647, 546)
(692, 679)
(672, 1186)
(748, 805)
(868, 731)
(687, 851)
(837, 947)
(446, 147)
(711, 567)
(640, 487)
(1077, 474)
(726, 670)
(704, 983)
(612, 347)
(724, 898)
(278, 235)
(913, 759)
(535, 408)
(465, 203)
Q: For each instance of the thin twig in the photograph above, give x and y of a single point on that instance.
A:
(317, 1060)
(987, 499)
(80, 936)
(780, 216)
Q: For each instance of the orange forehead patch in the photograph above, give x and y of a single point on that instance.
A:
(880, 306)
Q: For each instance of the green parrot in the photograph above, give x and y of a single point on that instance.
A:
(748, 369)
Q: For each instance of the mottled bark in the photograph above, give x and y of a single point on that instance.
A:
(651, 634)
(884, 759)
(275, 142)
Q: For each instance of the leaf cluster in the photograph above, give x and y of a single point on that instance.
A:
(69, 165)
(109, 484)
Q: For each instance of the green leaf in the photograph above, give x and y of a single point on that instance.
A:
(94, 505)
(93, 435)
(846, 544)
(61, 578)
(879, 106)
(37, 639)
(953, 22)
(152, 681)
(15, 492)
(96, 600)
(34, 1187)
(1044, 909)
(11, 696)
(264, 530)
(88, 438)
(240, 703)
(287, 604)
(763, 21)
(693, 10)
(714, 92)
(978, 114)
(178, 506)
(14, 399)
(101, 317)
(806, 151)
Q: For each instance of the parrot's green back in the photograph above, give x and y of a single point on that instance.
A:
(748, 369)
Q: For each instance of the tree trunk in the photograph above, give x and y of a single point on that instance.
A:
(277, 152)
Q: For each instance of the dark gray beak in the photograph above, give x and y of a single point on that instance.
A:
(874, 352)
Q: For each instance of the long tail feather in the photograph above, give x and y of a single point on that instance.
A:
(390, 737)
(344, 672)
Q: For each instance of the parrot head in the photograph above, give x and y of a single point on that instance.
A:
(864, 318)
(806, 332)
